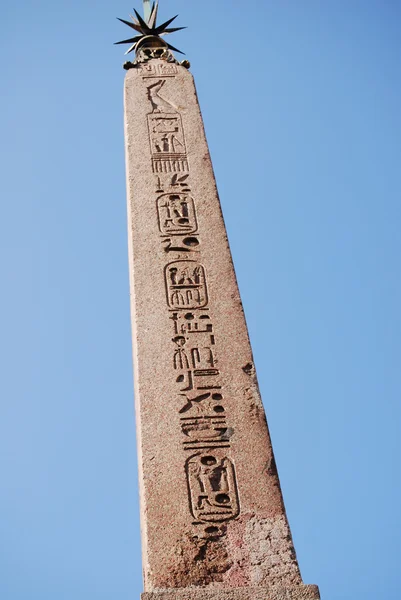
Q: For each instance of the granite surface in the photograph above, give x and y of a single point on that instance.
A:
(212, 512)
(302, 592)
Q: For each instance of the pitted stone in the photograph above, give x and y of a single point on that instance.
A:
(302, 592)
(214, 525)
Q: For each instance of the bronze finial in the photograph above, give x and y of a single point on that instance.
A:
(150, 34)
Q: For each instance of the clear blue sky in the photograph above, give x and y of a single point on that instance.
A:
(301, 102)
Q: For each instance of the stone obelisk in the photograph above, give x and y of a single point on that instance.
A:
(212, 515)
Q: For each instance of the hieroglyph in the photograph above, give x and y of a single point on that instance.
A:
(202, 414)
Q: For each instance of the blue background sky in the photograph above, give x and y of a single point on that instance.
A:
(301, 102)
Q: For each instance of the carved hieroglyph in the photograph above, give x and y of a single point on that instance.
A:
(211, 506)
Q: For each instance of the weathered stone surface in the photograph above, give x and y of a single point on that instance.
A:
(212, 513)
(302, 592)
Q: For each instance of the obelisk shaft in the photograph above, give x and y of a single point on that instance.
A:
(212, 513)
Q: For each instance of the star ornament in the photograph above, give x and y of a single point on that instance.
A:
(147, 27)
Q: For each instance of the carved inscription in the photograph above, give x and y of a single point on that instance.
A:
(186, 285)
(167, 144)
(202, 407)
(159, 103)
(170, 164)
(176, 214)
(211, 431)
(199, 379)
(167, 137)
(204, 403)
(147, 69)
(174, 184)
(166, 133)
(200, 358)
(167, 69)
(181, 245)
(213, 488)
(193, 323)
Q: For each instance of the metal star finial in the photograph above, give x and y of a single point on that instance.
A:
(147, 26)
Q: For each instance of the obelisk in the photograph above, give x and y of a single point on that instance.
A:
(213, 521)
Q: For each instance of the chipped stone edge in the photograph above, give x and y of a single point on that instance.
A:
(299, 592)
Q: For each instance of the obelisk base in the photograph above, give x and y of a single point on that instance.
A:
(299, 592)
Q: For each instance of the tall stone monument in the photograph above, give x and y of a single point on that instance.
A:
(212, 515)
